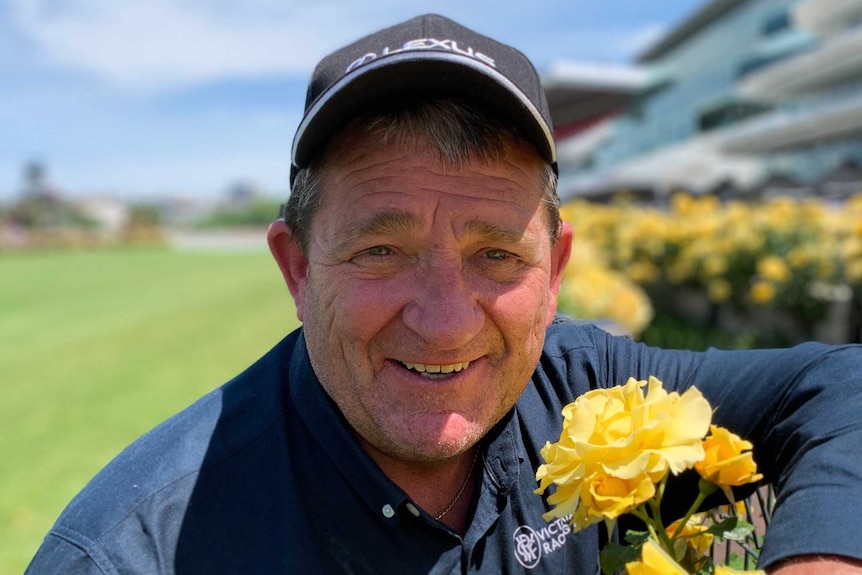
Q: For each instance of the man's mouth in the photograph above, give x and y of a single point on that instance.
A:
(436, 371)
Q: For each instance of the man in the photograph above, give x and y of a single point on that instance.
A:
(398, 431)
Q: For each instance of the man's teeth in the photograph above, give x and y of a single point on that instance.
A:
(430, 368)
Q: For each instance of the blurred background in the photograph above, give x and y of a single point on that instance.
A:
(710, 157)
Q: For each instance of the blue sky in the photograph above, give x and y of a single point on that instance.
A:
(149, 98)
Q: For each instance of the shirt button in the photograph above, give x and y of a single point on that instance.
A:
(388, 512)
(412, 509)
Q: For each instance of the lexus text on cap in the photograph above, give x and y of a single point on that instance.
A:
(430, 56)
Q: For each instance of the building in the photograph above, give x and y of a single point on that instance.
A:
(740, 94)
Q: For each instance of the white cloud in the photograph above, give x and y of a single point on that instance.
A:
(159, 44)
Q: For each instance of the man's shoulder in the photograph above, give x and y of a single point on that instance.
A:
(570, 356)
(566, 335)
(157, 474)
(576, 357)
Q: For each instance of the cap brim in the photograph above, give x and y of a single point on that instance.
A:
(398, 77)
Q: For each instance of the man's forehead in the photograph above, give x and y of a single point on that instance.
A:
(388, 221)
(413, 199)
(399, 166)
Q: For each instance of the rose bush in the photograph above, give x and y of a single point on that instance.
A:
(792, 258)
(592, 290)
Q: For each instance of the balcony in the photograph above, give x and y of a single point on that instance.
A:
(579, 93)
(836, 60)
(786, 129)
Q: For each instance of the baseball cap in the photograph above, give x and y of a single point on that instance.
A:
(428, 56)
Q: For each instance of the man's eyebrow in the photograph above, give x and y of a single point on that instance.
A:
(495, 232)
(386, 221)
(393, 221)
(380, 223)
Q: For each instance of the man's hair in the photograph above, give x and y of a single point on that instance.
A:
(455, 130)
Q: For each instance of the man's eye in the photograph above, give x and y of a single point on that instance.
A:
(497, 254)
(378, 251)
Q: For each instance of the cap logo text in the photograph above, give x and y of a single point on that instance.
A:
(424, 44)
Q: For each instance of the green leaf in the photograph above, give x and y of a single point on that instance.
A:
(614, 557)
(732, 528)
(636, 538)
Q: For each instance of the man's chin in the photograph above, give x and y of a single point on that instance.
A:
(435, 438)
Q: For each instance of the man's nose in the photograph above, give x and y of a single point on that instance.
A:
(443, 310)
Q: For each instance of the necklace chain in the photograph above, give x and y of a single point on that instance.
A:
(460, 491)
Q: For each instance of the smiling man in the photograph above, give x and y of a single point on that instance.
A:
(425, 287)
(399, 430)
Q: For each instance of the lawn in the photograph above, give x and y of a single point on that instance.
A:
(96, 347)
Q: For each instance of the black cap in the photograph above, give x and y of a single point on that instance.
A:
(429, 56)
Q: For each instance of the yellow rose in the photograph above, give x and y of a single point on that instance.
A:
(654, 561)
(719, 290)
(774, 268)
(643, 272)
(762, 291)
(605, 497)
(854, 271)
(714, 266)
(728, 461)
(693, 538)
(616, 440)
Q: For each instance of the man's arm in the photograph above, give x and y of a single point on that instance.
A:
(61, 556)
(801, 408)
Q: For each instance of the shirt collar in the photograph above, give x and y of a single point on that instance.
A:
(337, 442)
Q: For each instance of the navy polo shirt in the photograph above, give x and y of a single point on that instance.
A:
(264, 475)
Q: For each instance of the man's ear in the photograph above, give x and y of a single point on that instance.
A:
(560, 253)
(291, 261)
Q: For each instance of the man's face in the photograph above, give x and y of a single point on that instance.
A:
(426, 293)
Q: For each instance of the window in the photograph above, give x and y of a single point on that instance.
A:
(727, 113)
(775, 22)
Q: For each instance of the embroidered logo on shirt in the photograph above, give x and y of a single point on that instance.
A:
(531, 545)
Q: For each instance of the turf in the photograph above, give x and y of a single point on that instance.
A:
(96, 347)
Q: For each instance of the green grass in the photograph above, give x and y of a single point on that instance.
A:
(96, 347)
